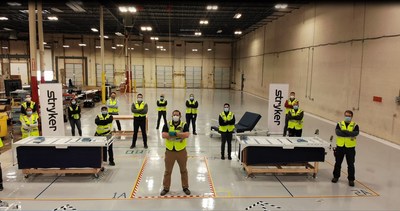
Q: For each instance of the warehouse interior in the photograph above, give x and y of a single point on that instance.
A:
(334, 56)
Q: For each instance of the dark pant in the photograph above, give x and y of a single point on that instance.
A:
(285, 129)
(191, 117)
(76, 122)
(162, 114)
(118, 123)
(1, 175)
(350, 154)
(295, 133)
(110, 153)
(139, 122)
(226, 137)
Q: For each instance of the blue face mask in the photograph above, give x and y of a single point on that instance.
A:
(226, 109)
(161, 98)
(295, 107)
(347, 119)
(191, 98)
(104, 112)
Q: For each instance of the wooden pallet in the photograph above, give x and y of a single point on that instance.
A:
(282, 168)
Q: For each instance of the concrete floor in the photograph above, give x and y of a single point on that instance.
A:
(136, 180)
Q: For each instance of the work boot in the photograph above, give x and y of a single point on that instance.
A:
(187, 191)
(132, 146)
(335, 180)
(111, 163)
(145, 146)
(351, 183)
(229, 157)
(1, 187)
(163, 192)
(194, 133)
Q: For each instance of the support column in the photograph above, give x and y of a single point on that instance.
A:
(32, 50)
(103, 75)
(41, 40)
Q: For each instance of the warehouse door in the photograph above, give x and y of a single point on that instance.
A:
(137, 75)
(75, 73)
(221, 78)
(193, 77)
(109, 68)
(164, 76)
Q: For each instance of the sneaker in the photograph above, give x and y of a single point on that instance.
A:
(335, 180)
(1, 187)
(222, 158)
(145, 146)
(194, 133)
(111, 163)
(229, 158)
(351, 183)
(163, 192)
(132, 146)
(187, 191)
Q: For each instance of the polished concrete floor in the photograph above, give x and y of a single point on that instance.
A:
(136, 180)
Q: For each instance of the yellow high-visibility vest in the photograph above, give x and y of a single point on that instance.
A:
(227, 128)
(75, 116)
(163, 107)
(177, 143)
(139, 107)
(25, 105)
(291, 104)
(113, 110)
(104, 129)
(33, 119)
(1, 143)
(191, 110)
(348, 142)
(296, 124)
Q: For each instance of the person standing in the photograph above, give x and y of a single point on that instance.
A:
(226, 126)
(288, 106)
(29, 123)
(139, 110)
(74, 116)
(295, 124)
(104, 126)
(162, 110)
(346, 132)
(112, 104)
(191, 112)
(28, 104)
(175, 134)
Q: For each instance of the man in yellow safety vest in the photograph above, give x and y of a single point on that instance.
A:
(191, 112)
(162, 110)
(28, 104)
(112, 104)
(74, 117)
(226, 127)
(346, 132)
(289, 106)
(295, 124)
(175, 134)
(139, 110)
(29, 123)
(104, 126)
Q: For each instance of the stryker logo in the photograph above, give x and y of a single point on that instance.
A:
(277, 107)
(51, 101)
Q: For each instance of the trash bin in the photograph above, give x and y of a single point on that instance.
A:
(3, 124)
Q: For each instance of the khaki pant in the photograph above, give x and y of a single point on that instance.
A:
(170, 158)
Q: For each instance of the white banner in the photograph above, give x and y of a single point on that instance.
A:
(278, 94)
(51, 109)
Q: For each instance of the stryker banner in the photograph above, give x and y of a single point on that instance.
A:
(278, 94)
(51, 109)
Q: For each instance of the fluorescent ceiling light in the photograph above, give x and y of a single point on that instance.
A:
(123, 9)
(163, 49)
(197, 33)
(237, 15)
(194, 49)
(114, 47)
(219, 31)
(131, 49)
(132, 9)
(7, 29)
(238, 32)
(146, 28)
(56, 9)
(52, 18)
(3, 18)
(204, 22)
(154, 38)
(65, 46)
(44, 43)
(146, 49)
(212, 7)
(209, 49)
(4, 47)
(160, 46)
(94, 30)
(120, 45)
(105, 36)
(136, 44)
(14, 4)
(119, 34)
(281, 6)
(98, 46)
(75, 6)
(82, 44)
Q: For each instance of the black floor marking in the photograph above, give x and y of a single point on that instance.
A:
(47, 187)
(283, 185)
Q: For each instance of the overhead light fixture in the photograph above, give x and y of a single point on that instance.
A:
(146, 49)
(94, 30)
(219, 31)
(75, 6)
(105, 36)
(194, 49)
(3, 18)
(237, 15)
(125, 9)
(4, 47)
(131, 49)
(52, 18)
(160, 46)
(204, 22)
(56, 9)
(98, 46)
(7, 29)
(82, 44)
(212, 7)
(14, 4)
(44, 43)
(137, 44)
(281, 6)
(113, 47)
(119, 34)
(197, 33)
(209, 49)
(146, 28)
(120, 45)
(65, 46)
(238, 32)
(163, 49)
(153, 38)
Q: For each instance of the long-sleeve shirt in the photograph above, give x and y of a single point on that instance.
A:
(112, 106)
(298, 117)
(195, 105)
(345, 133)
(103, 122)
(287, 103)
(74, 111)
(223, 123)
(139, 111)
(164, 103)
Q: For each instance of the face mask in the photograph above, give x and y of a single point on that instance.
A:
(347, 119)
(292, 97)
(28, 99)
(226, 109)
(140, 99)
(73, 102)
(161, 98)
(295, 107)
(104, 112)
(113, 96)
(175, 118)
(191, 98)
(29, 112)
